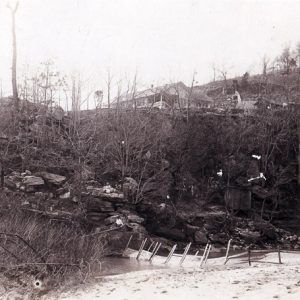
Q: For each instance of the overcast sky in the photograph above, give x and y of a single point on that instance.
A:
(164, 40)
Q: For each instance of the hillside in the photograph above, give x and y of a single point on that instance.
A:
(94, 179)
(274, 87)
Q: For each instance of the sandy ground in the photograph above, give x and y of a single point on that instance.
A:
(265, 279)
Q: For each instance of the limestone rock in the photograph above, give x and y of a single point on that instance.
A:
(33, 181)
(96, 218)
(250, 235)
(191, 230)
(105, 193)
(129, 188)
(200, 237)
(171, 233)
(111, 220)
(13, 181)
(137, 227)
(135, 219)
(219, 238)
(66, 195)
(100, 205)
(52, 178)
(58, 113)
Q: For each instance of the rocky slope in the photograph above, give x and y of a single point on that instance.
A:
(110, 211)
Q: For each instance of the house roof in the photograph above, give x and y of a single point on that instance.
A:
(150, 92)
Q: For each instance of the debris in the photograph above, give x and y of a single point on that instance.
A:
(258, 157)
(148, 154)
(119, 222)
(261, 175)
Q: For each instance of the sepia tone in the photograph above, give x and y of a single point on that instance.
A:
(149, 149)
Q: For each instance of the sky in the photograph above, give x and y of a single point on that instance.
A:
(161, 41)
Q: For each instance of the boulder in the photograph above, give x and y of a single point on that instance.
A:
(111, 220)
(137, 228)
(96, 218)
(103, 193)
(13, 181)
(135, 219)
(129, 188)
(87, 173)
(190, 229)
(52, 178)
(66, 195)
(132, 183)
(200, 237)
(33, 181)
(251, 236)
(62, 190)
(270, 234)
(165, 164)
(100, 205)
(41, 195)
(58, 113)
(108, 189)
(171, 233)
(220, 238)
(26, 173)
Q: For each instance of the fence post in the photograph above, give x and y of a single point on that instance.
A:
(203, 255)
(249, 256)
(154, 252)
(127, 245)
(171, 254)
(154, 248)
(141, 248)
(227, 251)
(151, 246)
(208, 250)
(187, 248)
(279, 255)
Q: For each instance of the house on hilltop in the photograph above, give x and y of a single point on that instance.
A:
(169, 96)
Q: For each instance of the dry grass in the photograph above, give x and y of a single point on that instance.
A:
(57, 254)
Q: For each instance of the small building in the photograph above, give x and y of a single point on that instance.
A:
(169, 96)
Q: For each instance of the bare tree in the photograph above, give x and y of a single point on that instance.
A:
(214, 72)
(133, 91)
(265, 63)
(13, 10)
(119, 93)
(223, 74)
(109, 79)
(285, 60)
(189, 96)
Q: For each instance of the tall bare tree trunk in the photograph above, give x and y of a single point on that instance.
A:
(189, 98)
(298, 153)
(14, 56)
